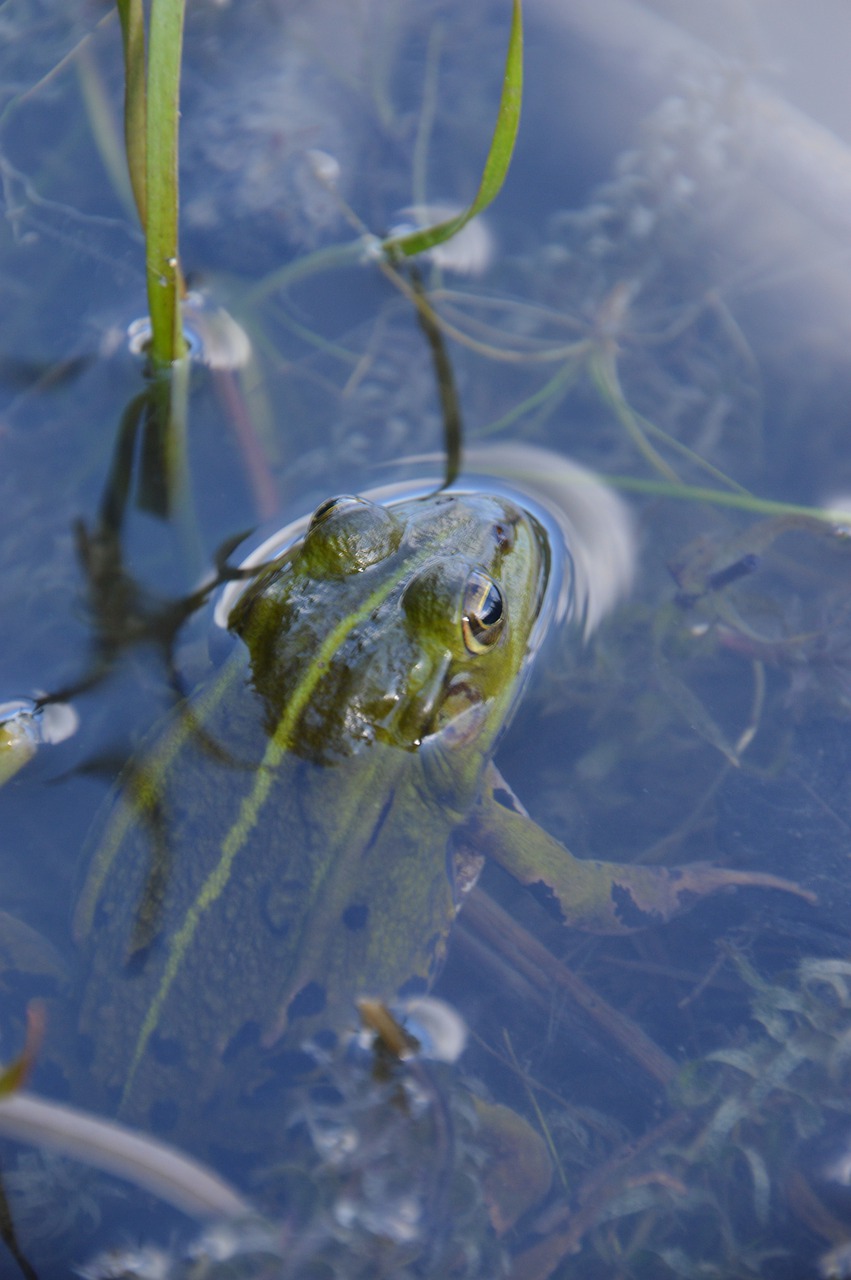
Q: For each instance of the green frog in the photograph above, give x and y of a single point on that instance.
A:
(302, 831)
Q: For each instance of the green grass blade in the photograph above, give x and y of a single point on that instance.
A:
(132, 17)
(165, 42)
(738, 501)
(498, 157)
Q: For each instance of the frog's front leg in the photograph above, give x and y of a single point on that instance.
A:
(600, 897)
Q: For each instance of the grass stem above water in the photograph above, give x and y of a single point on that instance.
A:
(151, 124)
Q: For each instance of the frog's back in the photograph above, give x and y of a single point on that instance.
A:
(283, 846)
(230, 900)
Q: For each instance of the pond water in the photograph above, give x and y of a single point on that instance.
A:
(660, 293)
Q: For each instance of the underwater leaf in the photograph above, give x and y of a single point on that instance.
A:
(496, 163)
(778, 1027)
(840, 1055)
(694, 712)
(834, 973)
(747, 1265)
(636, 1199)
(808, 1114)
(519, 1171)
(777, 1073)
(725, 1119)
(761, 1183)
(681, 1265)
(742, 1059)
(836, 1265)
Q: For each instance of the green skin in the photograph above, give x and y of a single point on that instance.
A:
(295, 836)
(284, 846)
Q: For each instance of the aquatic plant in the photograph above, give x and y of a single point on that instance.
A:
(383, 1177)
(151, 120)
(745, 1169)
(497, 160)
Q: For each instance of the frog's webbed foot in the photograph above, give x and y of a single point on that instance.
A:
(600, 897)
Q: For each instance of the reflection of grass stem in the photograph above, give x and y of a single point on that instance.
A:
(16, 101)
(151, 124)
(102, 121)
(175, 383)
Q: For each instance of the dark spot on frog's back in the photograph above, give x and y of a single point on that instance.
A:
(356, 916)
(135, 961)
(307, 1002)
(245, 1039)
(326, 1039)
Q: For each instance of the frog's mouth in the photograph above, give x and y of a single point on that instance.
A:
(449, 710)
(458, 715)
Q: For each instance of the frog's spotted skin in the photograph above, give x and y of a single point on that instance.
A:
(301, 831)
(285, 844)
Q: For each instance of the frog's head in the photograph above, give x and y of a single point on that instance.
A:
(408, 624)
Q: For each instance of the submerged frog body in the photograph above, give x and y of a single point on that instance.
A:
(302, 830)
(286, 843)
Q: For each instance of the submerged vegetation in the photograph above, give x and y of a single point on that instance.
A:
(151, 130)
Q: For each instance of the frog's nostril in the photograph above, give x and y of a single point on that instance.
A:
(307, 1002)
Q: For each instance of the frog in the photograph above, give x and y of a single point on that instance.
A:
(303, 829)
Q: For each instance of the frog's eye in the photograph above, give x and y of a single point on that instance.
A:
(334, 505)
(483, 618)
(347, 535)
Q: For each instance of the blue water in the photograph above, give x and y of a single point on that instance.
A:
(665, 302)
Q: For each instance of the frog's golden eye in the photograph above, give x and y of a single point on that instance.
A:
(483, 618)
